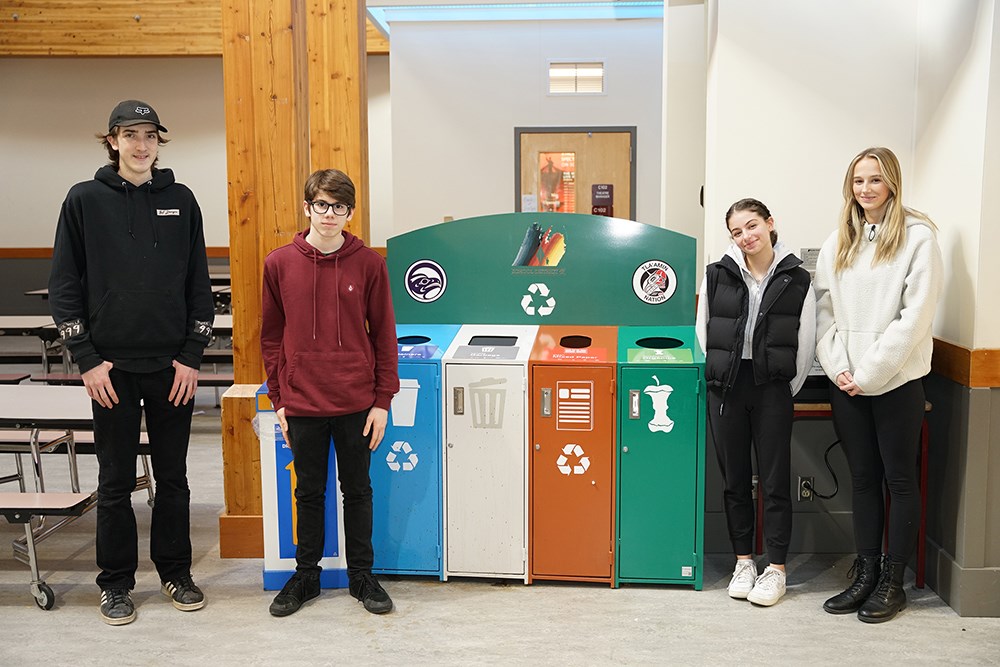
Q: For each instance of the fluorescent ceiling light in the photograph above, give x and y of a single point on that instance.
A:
(535, 11)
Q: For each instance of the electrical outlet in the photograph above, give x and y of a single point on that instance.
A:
(806, 486)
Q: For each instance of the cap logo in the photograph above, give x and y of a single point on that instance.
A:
(142, 111)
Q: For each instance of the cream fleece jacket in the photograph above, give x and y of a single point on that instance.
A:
(875, 321)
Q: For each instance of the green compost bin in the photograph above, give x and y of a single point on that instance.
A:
(660, 456)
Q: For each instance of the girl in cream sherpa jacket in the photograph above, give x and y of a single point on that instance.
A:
(875, 321)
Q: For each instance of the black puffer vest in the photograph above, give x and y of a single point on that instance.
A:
(775, 334)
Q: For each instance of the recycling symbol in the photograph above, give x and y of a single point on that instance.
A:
(528, 300)
(563, 461)
(402, 448)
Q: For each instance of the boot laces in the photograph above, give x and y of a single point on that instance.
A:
(884, 583)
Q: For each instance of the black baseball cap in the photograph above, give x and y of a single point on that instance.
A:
(133, 112)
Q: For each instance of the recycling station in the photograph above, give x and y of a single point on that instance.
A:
(573, 441)
(406, 470)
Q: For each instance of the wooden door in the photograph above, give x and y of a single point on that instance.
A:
(558, 170)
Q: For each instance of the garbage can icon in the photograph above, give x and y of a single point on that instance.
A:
(488, 398)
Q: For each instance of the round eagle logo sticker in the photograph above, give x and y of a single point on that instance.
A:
(425, 281)
(654, 281)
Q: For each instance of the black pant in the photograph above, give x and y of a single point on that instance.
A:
(116, 441)
(310, 443)
(761, 414)
(881, 439)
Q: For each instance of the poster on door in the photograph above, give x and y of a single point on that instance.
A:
(557, 182)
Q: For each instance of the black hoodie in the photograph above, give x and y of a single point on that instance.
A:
(129, 277)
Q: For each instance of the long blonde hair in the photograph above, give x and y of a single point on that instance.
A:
(892, 235)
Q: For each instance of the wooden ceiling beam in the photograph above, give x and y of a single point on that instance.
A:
(86, 28)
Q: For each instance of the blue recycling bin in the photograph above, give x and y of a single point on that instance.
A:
(406, 468)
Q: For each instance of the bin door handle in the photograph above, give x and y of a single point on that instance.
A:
(458, 401)
(633, 403)
(547, 402)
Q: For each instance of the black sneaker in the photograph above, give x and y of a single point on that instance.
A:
(298, 590)
(117, 607)
(183, 593)
(367, 590)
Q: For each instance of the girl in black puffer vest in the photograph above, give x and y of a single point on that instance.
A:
(757, 325)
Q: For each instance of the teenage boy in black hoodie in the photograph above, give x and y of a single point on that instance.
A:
(130, 293)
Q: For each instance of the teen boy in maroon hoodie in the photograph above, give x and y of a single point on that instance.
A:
(328, 340)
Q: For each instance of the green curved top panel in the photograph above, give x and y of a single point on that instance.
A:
(543, 268)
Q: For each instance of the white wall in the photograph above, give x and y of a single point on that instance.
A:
(987, 333)
(948, 183)
(794, 92)
(790, 102)
(52, 107)
(379, 151)
(684, 120)
(460, 89)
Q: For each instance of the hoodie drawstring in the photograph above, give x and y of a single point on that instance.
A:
(336, 269)
(128, 210)
(152, 212)
(315, 254)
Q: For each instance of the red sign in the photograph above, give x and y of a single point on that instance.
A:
(605, 210)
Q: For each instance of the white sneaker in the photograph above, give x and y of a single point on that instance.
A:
(743, 578)
(768, 588)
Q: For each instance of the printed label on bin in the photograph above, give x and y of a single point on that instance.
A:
(582, 354)
(486, 352)
(641, 355)
(417, 351)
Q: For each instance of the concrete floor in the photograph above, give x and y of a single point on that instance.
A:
(457, 622)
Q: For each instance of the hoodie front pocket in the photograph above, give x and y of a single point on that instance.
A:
(138, 319)
(330, 373)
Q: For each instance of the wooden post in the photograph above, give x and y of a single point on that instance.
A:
(338, 96)
(241, 528)
(294, 82)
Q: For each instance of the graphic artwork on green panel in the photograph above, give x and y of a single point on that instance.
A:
(543, 268)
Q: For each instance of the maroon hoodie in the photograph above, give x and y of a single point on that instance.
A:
(320, 358)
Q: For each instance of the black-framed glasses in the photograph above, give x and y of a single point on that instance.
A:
(320, 207)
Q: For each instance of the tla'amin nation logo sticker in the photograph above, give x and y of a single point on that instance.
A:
(654, 282)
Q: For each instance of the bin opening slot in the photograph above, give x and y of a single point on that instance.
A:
(495, 341)
(659, 342)
(576, 342)
(413, 340)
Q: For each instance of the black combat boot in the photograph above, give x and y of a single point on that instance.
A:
(889, 597)
(865, 572)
